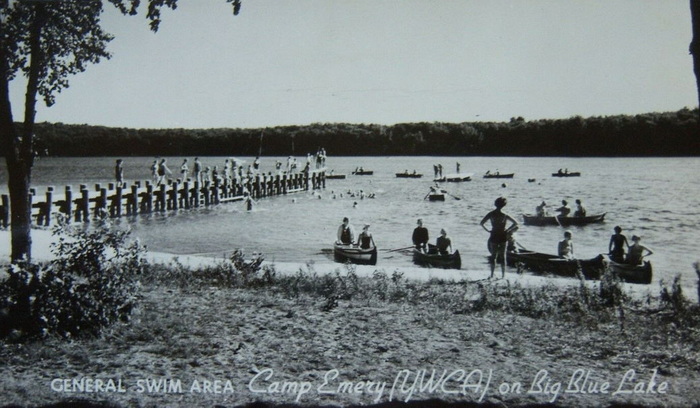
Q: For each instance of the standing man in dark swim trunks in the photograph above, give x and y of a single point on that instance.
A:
(498, 238)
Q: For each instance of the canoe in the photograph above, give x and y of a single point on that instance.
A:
(436, 197)
(335, 176)
(540, 263)
(435, 260)
(363, 173)
(574, 174)
(631, 273)
(530, 219)
(409, 175)
(354, 254)
(497, 175)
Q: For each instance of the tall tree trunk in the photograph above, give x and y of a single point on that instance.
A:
(695, 44)
(19, 150)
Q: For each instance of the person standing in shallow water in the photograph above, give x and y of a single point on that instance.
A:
(618, 244)
(498, 234)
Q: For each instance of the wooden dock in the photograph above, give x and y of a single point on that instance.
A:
(145, 198)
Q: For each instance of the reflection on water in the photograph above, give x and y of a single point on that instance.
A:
(655, 198)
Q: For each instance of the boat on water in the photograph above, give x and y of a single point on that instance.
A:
(530, 219)
(436, 197)
(354, 254)
(454, 178)
(363, 172)
(406, 174)
(631, 273)
(499, 175)
(335, 176)
(566, 174)
(435, 260)
(541, 263)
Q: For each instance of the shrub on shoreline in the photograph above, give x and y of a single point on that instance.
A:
(89, 285)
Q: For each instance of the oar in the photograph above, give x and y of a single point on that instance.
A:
(455, 197)
(398, 249)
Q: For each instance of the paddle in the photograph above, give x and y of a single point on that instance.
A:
(397, 249)
(455, 197)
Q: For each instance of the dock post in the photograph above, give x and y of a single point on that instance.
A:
(205, 190)
(117, 208)
(67, 207)
(161, 198)
(195, 193)
(149, 198)
(5, 210)
(216, 191)
(101, 203)
(185, 194)
(49, 206)
(85, 205)
(172, 195)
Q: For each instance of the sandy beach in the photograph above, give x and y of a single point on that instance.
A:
(216, 346)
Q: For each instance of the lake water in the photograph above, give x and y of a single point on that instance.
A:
(656, 198)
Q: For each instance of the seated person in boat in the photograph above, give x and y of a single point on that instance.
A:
(346, 234)
(566, 246)
(420, 236)
(364, 240)
(580, 210)
(618, 244)
(541, 210)
(513, 245)
(564, 210)
(637, 252)
(443, 244)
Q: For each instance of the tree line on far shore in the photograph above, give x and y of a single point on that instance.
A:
(650, 134)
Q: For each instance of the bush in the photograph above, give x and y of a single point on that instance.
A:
(90, 285)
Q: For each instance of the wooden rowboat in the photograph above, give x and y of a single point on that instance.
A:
(632, 273)
(354, 254)
(454, 178)
(435, 260)
(335, 176)
(540, 263)
(530, 219)
(574, 174)
(363, 172)
(436, 197)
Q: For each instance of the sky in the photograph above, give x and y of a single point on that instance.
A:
(297, 62)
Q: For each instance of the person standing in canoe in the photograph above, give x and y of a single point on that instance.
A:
(617, 245)
(346, 234)
(498, 237)
(443, 244)
(365, 240)
(566, 246)
(420, 236)
(636, 253)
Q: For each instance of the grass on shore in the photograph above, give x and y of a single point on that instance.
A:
(234, 318)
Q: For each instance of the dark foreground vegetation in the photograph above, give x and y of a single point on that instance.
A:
(651, 134)
(100, 308)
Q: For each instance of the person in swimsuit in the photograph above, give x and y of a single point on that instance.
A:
(580, 210)
(541, 210)
(636, 253)
(119, 172)
(346, 234)
(566, 246)
(498, 237)
(443, 244)
(364, 240)
(617, 245)
(420, 236)
(564, 210)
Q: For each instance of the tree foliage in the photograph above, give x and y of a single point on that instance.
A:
(650, 134)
